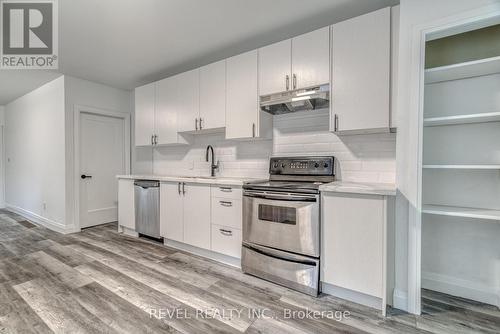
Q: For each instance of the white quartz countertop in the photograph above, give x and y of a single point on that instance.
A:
(233, 181)
(384, 189)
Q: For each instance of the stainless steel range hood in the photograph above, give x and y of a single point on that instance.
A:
(296, 100)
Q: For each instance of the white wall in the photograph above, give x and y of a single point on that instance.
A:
(86, 93)
(367, 158)
(2, 160)
(39, 138)
(414, 13)
(35, 156)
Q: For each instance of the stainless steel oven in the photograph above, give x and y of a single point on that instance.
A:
(281, 223)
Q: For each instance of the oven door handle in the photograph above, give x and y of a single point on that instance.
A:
(280, 255)
(278, 197)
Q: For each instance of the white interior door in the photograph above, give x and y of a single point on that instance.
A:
(102, 157)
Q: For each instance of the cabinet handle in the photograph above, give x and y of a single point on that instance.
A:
(294, 81)
(336, 123)
(179, 187)
(225, 189)
(183, 188)
(226, 203)
(253, 130)
(226, 232)
(201, 124)
(152, 140)
(287, 82)
(196, 124)
(156, 139)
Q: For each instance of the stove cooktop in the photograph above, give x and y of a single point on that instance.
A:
(297, 174)
(283, 186)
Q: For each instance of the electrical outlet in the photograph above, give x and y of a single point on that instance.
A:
(44, 205)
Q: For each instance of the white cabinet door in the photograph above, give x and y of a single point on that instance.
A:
(126, 204)
(144, 114)
(166, 112)
(353, 242)
(361, 72)
(275, 66)
(311, 59)
(394, 64)
(213, 95)
(171, 211)
(242, 107)
(197, 215)
(188, 88)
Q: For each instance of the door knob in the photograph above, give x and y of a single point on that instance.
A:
(83, 176)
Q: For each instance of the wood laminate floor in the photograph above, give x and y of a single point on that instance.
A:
(99, 281)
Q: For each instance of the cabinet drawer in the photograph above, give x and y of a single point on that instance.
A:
(227, 212)
(226, 240)
(227, 192)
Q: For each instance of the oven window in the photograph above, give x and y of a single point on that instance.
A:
(278, 214)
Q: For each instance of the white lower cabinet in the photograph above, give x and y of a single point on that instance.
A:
(185, 213)
(197, 215)
(353, 229)
(126, 204)
(226, 240)
(226, 218)
(201, 215)
(171, 211)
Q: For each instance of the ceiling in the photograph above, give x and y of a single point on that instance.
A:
(126, 43)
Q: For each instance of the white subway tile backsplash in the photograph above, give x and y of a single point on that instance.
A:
(361, 158)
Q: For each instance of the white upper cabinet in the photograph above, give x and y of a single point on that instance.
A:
(188, 90)
(311, 59)
(242, 106)
(275, 65)
(167, 107)
(361, 73)
(213, 96)
(300, 62)
(394, 64)
(144, 114)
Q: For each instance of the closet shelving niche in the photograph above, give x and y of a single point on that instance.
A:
(461, 169)
(462, 140)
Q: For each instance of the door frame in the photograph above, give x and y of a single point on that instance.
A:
(450, 25)
(81, 109)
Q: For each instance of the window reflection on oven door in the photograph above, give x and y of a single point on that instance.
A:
(282, 221)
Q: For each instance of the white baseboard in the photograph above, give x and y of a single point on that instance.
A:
(37, 219)
(229, 260)
(353, 296)
(400, 300)
(461, 288)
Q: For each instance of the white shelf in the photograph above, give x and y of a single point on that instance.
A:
(463, 70)
(463, 119)
(461, 167)
(455, 211)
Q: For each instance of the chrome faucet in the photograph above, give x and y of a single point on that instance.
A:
(213, 166)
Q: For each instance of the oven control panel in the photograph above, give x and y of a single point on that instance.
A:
(321, 166)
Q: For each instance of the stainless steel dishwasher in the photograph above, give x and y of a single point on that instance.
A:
(147, 208)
